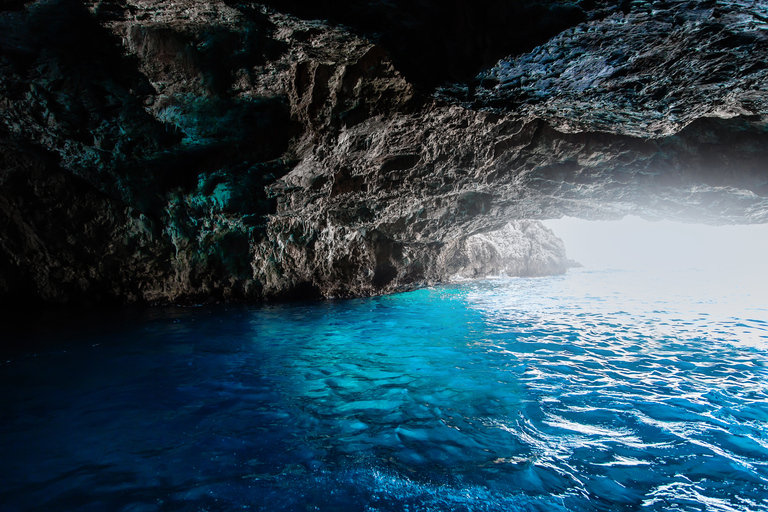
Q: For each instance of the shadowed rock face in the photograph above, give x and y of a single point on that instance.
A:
(436, 41)
(190, 151)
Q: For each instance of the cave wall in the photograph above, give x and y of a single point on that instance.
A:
(216, 150)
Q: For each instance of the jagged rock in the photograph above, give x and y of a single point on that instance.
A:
(647, 73)
(220, 150)
(521, 248)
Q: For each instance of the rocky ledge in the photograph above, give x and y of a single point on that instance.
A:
(190, 151)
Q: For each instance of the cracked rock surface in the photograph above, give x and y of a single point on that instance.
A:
(191, 151)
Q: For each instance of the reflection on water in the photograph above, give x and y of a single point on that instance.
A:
(589, 391)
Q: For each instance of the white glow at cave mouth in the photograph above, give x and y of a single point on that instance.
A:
(688, 270)
(636, 244)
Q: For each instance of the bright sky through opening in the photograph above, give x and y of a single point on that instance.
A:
(636, 244)
(719, 271)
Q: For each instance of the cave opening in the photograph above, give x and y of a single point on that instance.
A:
(294, 205)
(672, 273)
(633, 243)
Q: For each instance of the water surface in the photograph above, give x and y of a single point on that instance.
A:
(589, 391)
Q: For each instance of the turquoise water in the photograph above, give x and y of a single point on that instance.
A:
(589, 391)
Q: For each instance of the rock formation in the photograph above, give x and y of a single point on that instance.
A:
(521, 248)
(190, 150)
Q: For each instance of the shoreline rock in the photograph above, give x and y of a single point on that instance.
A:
(193, 151)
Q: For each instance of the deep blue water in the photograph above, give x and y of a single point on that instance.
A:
(589, 391)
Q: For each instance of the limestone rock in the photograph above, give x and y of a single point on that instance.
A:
(189, 151)
(521, 248)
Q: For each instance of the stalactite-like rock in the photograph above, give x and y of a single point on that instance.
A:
(189, 151)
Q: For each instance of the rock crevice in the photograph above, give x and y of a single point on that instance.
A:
(190, 151)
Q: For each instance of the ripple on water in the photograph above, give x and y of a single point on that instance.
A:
(566, 393)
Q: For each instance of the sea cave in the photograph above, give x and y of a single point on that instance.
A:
(488, 255)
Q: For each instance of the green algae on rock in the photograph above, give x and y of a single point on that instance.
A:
(194, 151)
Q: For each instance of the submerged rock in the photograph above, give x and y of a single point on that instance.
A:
(190, 151)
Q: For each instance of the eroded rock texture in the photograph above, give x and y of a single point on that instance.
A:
(187, 151)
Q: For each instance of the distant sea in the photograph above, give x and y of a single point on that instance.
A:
(591, 391)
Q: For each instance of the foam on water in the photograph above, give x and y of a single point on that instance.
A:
(589, 391)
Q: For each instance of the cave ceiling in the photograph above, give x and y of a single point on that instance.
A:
(169, 151)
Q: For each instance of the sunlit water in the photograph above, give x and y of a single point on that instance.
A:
(589, 391)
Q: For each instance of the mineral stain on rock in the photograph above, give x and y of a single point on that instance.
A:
(192, 151)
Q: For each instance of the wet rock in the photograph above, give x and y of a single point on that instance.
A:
(192, 151)
(521, 248)
(648, 72)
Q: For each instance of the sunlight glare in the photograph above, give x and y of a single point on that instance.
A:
(636, 244)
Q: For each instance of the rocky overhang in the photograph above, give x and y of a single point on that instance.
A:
(191, 151)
